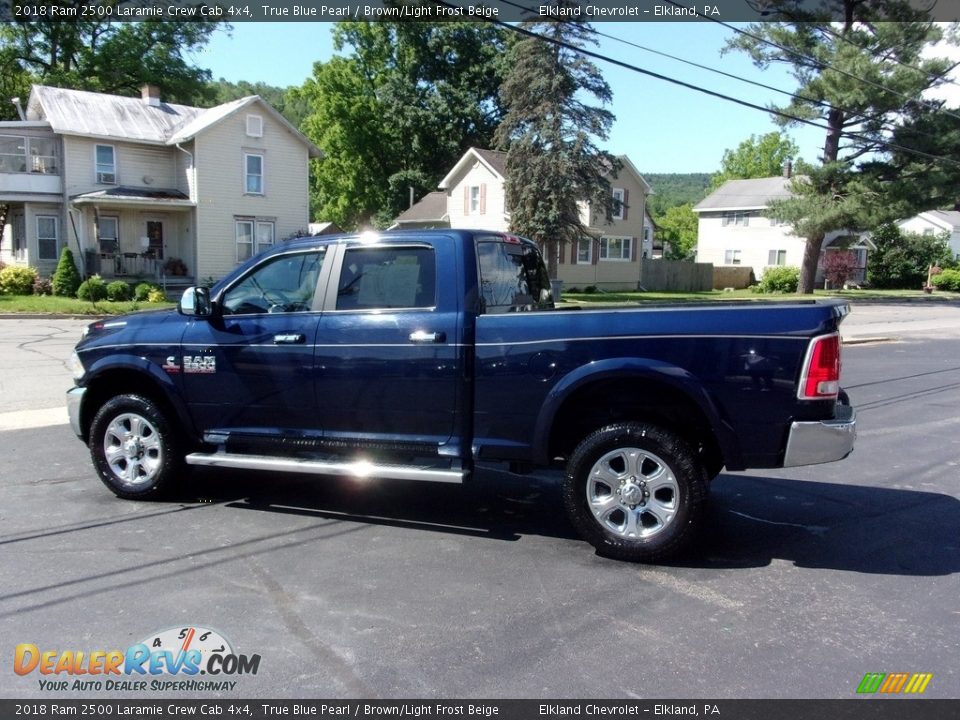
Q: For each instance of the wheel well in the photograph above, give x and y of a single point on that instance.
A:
(122, 382)
(605, 402)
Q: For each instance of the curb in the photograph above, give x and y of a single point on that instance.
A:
(867, 339)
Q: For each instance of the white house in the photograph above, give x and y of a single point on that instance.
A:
(473, 195)
(735, 230)
(936, 222)
(132, 184)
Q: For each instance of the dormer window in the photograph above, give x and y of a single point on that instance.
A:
(106, 165)
(254, 126)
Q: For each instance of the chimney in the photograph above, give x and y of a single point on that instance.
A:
(150, 94)
(788, 168)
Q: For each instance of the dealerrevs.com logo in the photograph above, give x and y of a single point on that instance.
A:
(894, 683)
(169, 660)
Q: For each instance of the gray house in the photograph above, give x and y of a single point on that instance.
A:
(139, 187)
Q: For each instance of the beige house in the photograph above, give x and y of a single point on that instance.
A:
(137, 187)
(472, 195)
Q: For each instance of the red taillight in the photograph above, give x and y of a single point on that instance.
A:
(821, 372)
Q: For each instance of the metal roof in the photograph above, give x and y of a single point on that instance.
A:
(753, 194)
(90, 114)
(159, 196)
(78, 112)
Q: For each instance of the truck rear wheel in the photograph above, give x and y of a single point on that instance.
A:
(134, 448)
(635, 491)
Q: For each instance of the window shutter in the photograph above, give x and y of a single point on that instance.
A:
(632, 249)
(558, 248)
(595, 255)
(574, 252)
(466, 199)
(626, 197)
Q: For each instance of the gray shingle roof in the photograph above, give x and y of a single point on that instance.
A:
(754, 194)
(432, 206)
(952, 217)
(495, 158)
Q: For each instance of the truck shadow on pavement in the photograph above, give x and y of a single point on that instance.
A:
(750, 520)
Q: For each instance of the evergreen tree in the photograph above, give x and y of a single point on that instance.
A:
(858, 66)
(66, 278)
(550, 134)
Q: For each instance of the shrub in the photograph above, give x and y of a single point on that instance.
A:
(42, 286)
(142, 292)
(118, 291)
(92, 289)
(780, 279)
(66, 279)
(17, 280)
(156, 296)
(947, 280)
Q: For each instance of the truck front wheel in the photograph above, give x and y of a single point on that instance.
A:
(134, 448)
(635, 491)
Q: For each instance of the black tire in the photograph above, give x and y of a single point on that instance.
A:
(134, 448)
(635, 492)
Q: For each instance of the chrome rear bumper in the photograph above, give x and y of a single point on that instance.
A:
(811, 443)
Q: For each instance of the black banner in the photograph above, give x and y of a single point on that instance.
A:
(233, 11)
(886, 709)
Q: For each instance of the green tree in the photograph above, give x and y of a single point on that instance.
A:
(757, 157)
(397, 112)
(106, 56)
(857, 65)
(901, 260)
(549, 132)
(66, 278)
(678, 229)
(286, 101)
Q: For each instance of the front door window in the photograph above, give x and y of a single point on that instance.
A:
(155, 238)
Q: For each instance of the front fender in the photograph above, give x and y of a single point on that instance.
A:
(632, 368)
(148, 375)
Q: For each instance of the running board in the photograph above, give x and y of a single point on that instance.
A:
(355, 468)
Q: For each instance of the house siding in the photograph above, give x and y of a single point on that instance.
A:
(755, 241)
(920, 224)
(493, 216)
(219, 153)
(134, 163)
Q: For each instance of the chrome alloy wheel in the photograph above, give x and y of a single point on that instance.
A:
(132, 448)
(632, 492)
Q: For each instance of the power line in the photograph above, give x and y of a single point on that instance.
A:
(712, 93)
(820, 64)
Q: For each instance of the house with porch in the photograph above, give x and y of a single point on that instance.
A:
(473, 195)
(734, 229)
(141, 188)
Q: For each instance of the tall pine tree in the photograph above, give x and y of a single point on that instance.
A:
(858, 65)
(550, 133)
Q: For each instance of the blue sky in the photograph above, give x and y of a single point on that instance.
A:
(660, 126)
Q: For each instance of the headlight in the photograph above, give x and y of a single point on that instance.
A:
(75, 366)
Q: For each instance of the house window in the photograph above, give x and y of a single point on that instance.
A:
(254, 126)
(777, 222)
(108, 234)
(47, 237)
(736, 218)
(585, 251)
(928, 231)
(777, 257)
(615, 248)
(253, 174)
(620, 200)
(475, 199)
(26, 154)
(253, 236)
(106, 158)
(646, 233)
(731, 257)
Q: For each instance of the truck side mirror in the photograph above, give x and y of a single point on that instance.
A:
(195, 302)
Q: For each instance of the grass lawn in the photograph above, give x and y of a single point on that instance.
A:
(710, 295)
(71, 306)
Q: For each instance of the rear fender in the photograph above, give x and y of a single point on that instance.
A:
(634, 369)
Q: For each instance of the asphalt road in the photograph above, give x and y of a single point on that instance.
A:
(805, 579)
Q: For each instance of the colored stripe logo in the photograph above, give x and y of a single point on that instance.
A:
(894, 683)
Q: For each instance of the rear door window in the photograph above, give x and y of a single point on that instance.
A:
(380, 278)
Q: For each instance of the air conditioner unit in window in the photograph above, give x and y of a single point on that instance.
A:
(107, 178)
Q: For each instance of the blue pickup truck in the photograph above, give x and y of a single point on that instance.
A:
(418, 355)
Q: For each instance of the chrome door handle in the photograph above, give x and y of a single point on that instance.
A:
(289, 339)
(422, 336)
